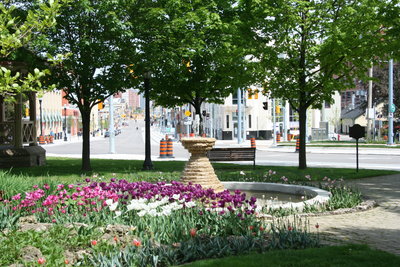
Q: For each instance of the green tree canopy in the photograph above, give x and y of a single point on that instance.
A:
(189, 48)
(89, 32)
(308, 49)
(22, 24)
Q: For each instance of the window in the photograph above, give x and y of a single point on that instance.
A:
(234, 98)
(327, 105)
(227, 121)
(249, 121)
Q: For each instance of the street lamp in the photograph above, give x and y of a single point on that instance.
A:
(147, 165)
(65, 123)
(41, 117)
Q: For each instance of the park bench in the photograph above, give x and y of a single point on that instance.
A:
(233, 154)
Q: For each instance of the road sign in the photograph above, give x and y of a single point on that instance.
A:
(188, 113)
(390, 114)
(187, 120)
(392, 108)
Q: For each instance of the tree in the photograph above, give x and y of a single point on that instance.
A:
(380, 85)
(308, 49)
(89, 32)
(188, 46)
(22, 24)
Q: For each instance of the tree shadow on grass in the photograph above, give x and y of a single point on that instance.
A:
(67, 167)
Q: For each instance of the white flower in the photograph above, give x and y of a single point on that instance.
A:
(190, 204)
(152, 213)
(166, 212)
(117, 213)
(114, 206)
(109, 202)
(142, 213)
(242, 173)
(176, 196)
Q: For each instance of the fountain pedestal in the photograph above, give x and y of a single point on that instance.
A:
(198, 169)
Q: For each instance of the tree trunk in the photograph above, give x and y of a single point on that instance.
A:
(86, 139)
(303, 133)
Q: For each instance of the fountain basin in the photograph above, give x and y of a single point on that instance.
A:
(312, 195)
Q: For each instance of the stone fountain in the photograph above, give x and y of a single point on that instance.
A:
(199, 170)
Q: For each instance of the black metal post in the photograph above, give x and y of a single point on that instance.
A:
(41, 117)
(147, 165)
(357, 152)
(65, 124)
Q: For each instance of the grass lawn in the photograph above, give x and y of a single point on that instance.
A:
(349, 255)
(361, 144)
(67, 170)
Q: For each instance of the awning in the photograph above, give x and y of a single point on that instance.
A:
(49, 117)
(54, 116)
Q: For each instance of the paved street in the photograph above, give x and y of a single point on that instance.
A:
(130, 145)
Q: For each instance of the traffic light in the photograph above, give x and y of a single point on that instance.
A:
(204, 113)
(277, 109)
(100, 106)
(188, 64)
(265, 105)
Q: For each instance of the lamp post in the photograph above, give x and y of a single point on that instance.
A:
(65, 123)
(391, 106)
(273, 123)
(41, 116)
(147, 165)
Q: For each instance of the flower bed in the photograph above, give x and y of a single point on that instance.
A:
(158, 224)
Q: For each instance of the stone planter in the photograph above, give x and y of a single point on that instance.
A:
(198, 169)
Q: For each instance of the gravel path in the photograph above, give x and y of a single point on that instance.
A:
(378, 227)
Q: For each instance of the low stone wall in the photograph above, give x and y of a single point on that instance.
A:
(22, 157)
(316, 195)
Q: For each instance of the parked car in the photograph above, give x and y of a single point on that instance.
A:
(107, 134)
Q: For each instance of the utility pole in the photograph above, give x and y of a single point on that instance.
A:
(111, 128)
(391, 108)
(244, 120)
(286, 121)
(239, 124)
(273, 123)
(369, 125)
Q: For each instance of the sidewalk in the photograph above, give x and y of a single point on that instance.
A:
(378, 227)
(267, 145)
(74, 139)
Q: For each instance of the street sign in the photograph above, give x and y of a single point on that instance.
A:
(188, 113)
(187, 120)
(357, 131)
(392, 108)
(390, 114)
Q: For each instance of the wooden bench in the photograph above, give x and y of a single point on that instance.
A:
(233, 154)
